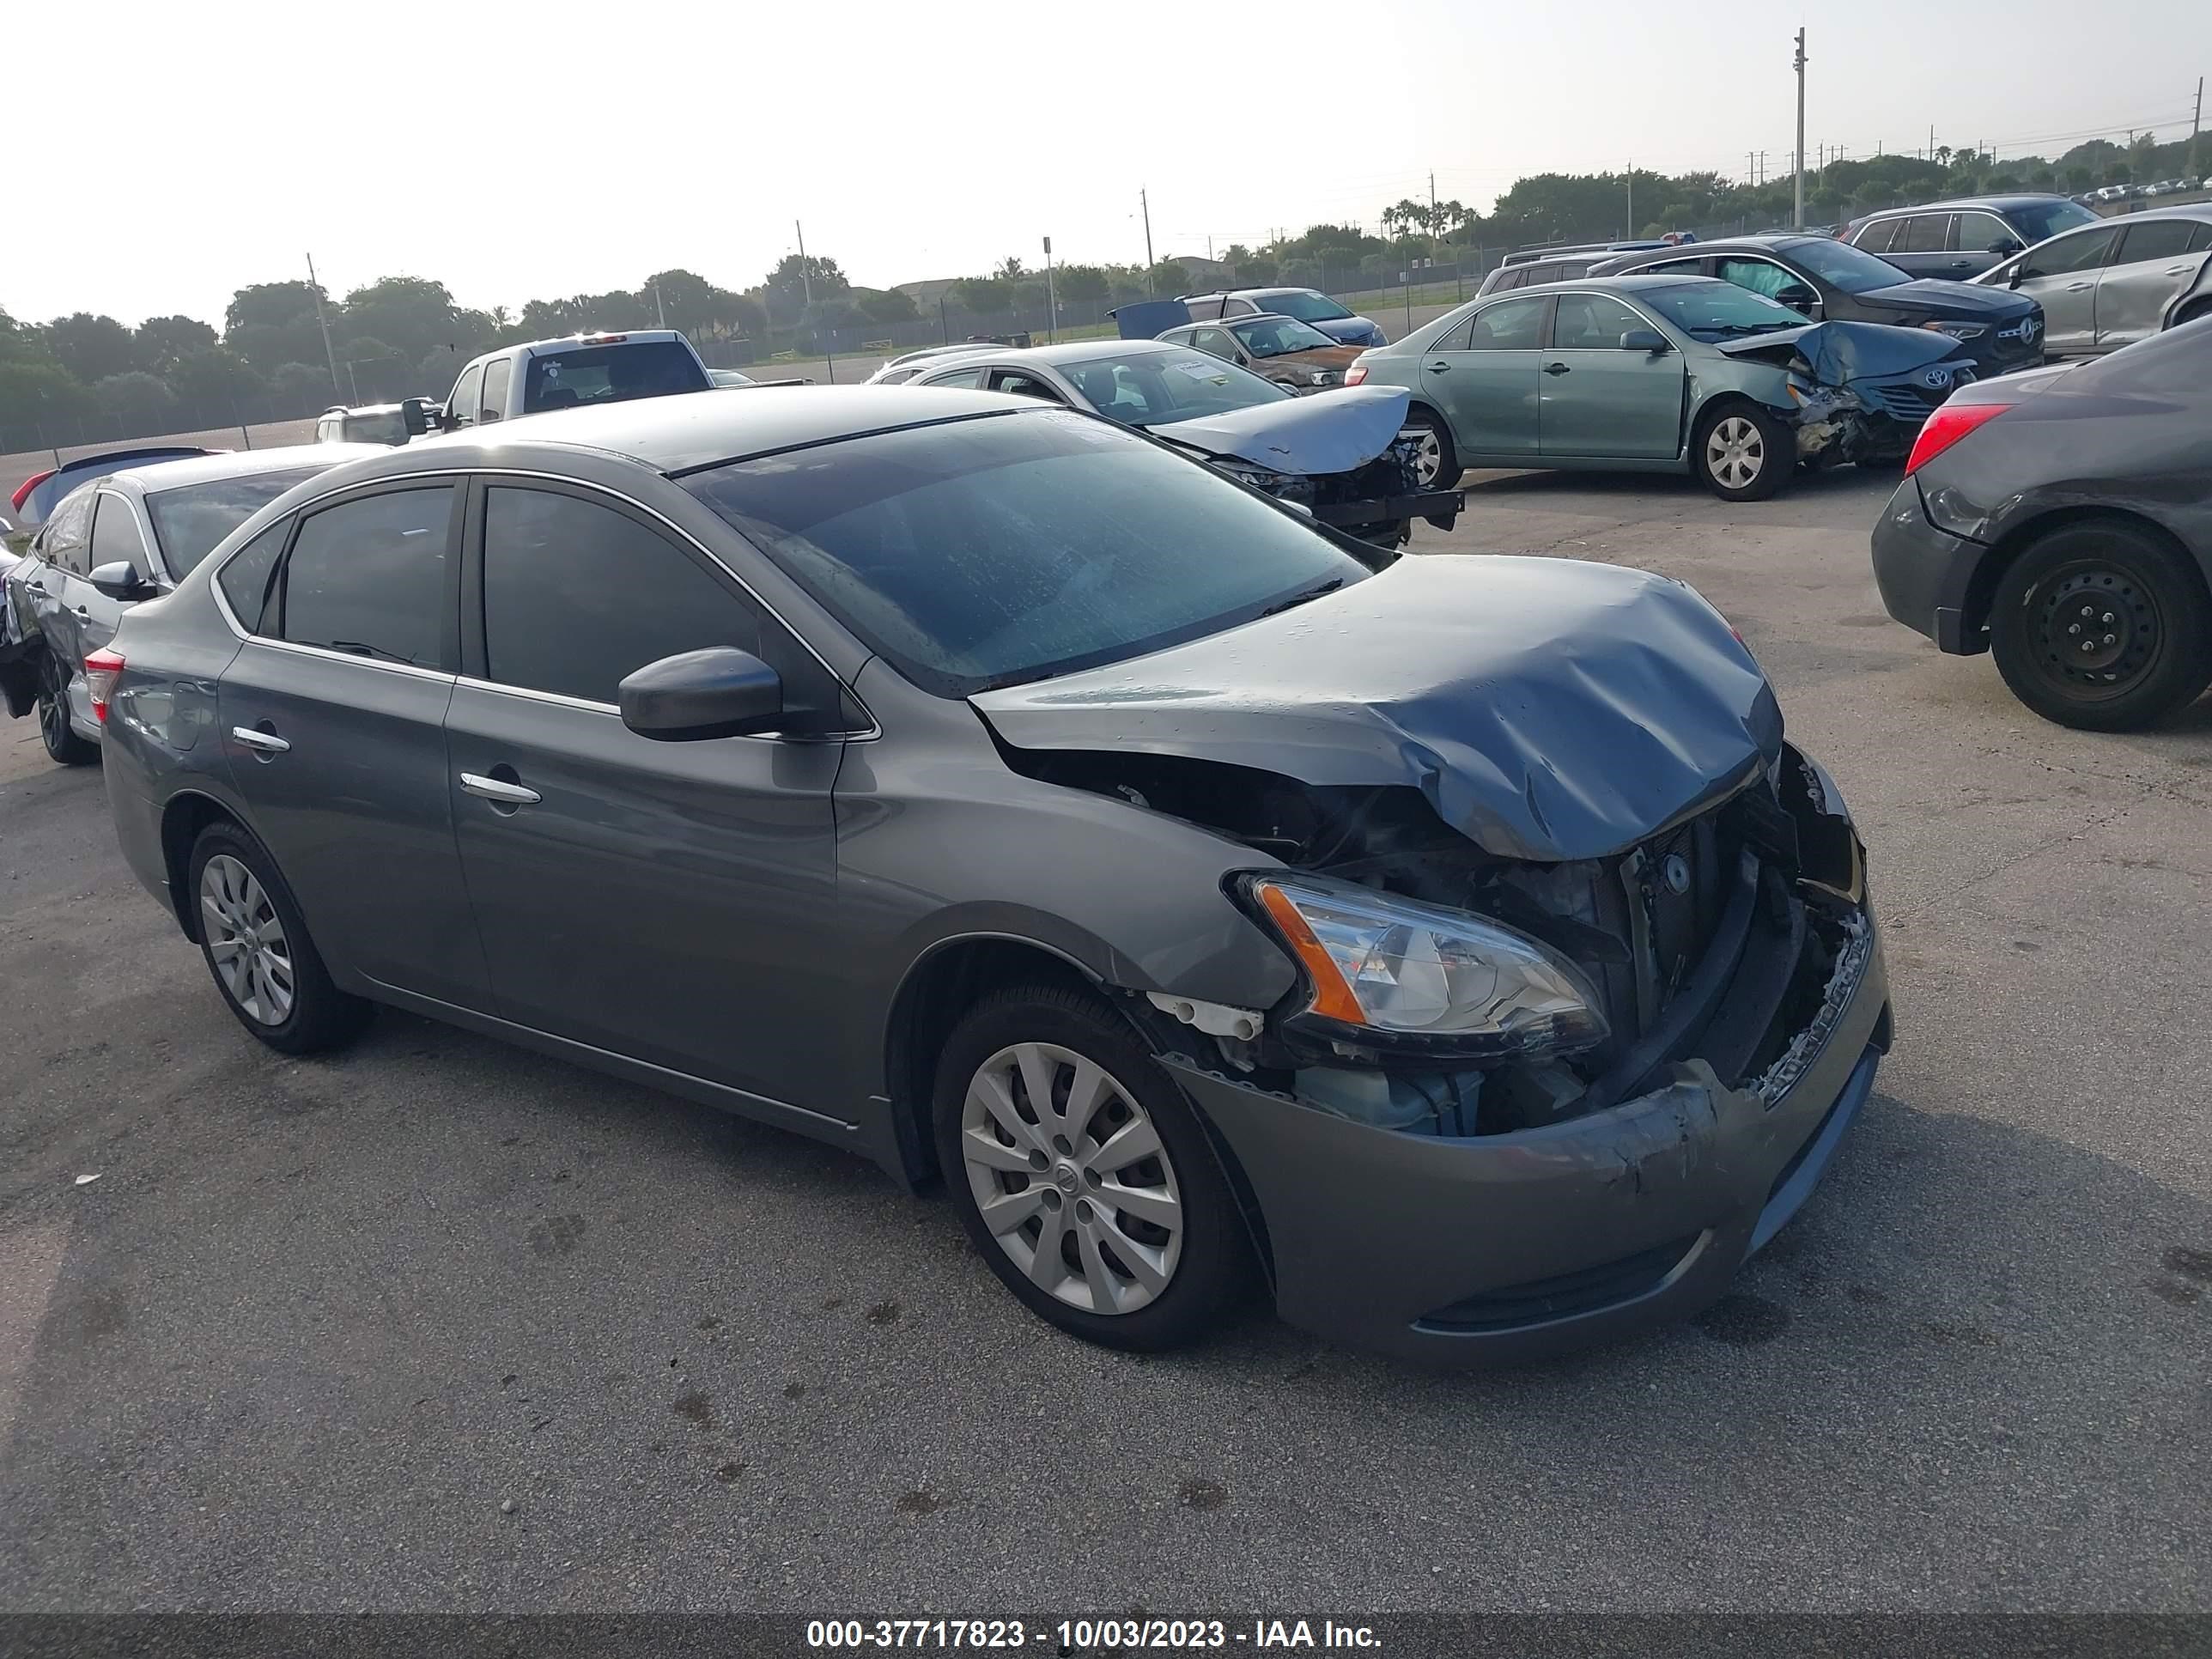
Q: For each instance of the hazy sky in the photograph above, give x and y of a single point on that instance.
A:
(528, 151)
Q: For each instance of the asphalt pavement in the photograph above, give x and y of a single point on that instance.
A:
(437, 1324)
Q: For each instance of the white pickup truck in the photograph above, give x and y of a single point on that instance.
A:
(573, 373)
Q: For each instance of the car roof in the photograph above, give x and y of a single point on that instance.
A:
(1084, 351)
(240, 463)
(1269, 288)
(2021, 198)
(690, 430)
(1631, 283)
(2179, 210)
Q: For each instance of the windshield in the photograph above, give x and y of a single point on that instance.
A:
(1151, 388)
(1306, 307)
(191, 521)
(2041, 220)
(610, 374)
(1850, 269)
(1271, 337)
(1710, 310)
(996, 549)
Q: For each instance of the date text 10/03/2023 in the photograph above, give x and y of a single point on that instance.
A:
(1085, 1634)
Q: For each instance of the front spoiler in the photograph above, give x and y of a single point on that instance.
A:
(1372, 1231)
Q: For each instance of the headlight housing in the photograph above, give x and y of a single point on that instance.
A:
(1260, 477)
(1398, 973)
(1958, 331)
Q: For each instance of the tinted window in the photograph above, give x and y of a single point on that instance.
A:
(1978, 232)
(2200, 236)
(1510, 326)
(1216, 341)
(2041, 219)
(1759, 275)
(1305, 307)
(960, 377)
(609, 374)
(461, 406)
(1012, 547)
(1202, 310)
(369, 577)
(115, 536)
(1923, 233)
(1549, 272)
(1875, 238)
(1274, 337)
(2161, 239)
(1850, 269)
(1023, 386)
(245, 577)
(1591, 322)
(190, 523)
(576, 595)
(1237, 309)
(66, 532)
(496, 378)
(2082, 251)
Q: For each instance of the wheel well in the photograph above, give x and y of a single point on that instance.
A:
(1982, 588)
(2190, 312)
(182, 820)
(942, 987)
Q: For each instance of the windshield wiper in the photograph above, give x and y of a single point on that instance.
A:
(1313, 592)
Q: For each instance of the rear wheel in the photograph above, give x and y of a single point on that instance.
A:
(1083, 1175)
(1436, 460)
(1743, 453)
(63, 744)
(2102, 626)
(256, 947)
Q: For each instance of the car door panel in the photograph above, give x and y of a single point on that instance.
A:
(1598, 401)
(2154, 266)
(1487, 387)
(54, 590)
(2060, 276)
(342, 762)
(116, 538)
(668, 902)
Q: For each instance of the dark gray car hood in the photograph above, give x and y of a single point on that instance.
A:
(1934, 297)
(1548, 709)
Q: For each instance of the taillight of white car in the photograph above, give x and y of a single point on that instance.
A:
(1356, 376)
(101, 670)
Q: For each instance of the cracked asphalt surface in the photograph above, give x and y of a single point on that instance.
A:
(439, 1325)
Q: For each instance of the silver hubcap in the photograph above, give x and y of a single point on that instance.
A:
(1428, 458)
(245, 940)
(1735, 452)
(1069, 1173)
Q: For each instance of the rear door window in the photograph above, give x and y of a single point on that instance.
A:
(609, 374)
(1923, 233)
(1203, 311)
(372, 577)
(497, 377)
(1877, 237)
(1591, 322)
(2160, 239)
(66, 533)
(957, 377)
(1023, 385)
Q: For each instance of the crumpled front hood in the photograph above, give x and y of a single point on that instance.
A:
(1839, 353)
(1333, 432)
(1549, 710)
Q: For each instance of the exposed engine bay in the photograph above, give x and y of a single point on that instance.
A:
(1726, 939)
(1859, 391)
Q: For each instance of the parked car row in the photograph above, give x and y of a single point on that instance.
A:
(988, 785)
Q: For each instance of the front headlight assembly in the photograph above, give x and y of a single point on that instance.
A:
(1390, 972)
(1958, 331)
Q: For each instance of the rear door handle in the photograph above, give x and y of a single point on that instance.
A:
(507, 794)
(1439, 368)
(267, 742)
(1557, 369)
(80, 612)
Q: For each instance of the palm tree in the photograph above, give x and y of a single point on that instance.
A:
(1943, 159)
(1010, 267)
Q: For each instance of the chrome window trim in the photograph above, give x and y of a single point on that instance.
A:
(874, 729)
(1621, 299)
(587, 706)
(328, 655)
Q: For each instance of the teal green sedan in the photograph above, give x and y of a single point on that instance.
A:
(1660, 374)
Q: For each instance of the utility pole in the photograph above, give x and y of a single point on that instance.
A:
(1051, 305)
(322, 323)
(807, 284)
(2195, 122)
(1432, 217)
(1145, 203)
(1799, 222)
(659, 310)
(1631, 231)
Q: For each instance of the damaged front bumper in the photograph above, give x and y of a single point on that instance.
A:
(1441, 507)
(1507, 1248)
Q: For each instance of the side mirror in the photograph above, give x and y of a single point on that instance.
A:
(121, 581)
(419, 416)
(1645, 339)
(720, 692)
(1801, 300)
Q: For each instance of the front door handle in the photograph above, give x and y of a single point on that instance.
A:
(267, 742)
(1439, 368)
(1557, 369)
(2079, 288)
(80, 613)
(497, 789)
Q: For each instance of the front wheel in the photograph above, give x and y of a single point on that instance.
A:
(64, 746)
(256, 947)
(1083, 1175)
(1436, 459)
(2104, 627)
(1743, 453)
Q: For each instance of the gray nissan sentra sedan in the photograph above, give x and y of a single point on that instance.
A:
(1454, 943)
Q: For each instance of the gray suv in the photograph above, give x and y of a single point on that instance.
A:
(955, 779)
(1960, 240)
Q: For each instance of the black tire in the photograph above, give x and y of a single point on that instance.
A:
(2154, 656)
(320, 1016)
(64, 746)
(1448, 468)
(1213, 1265)
(1770, 447)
